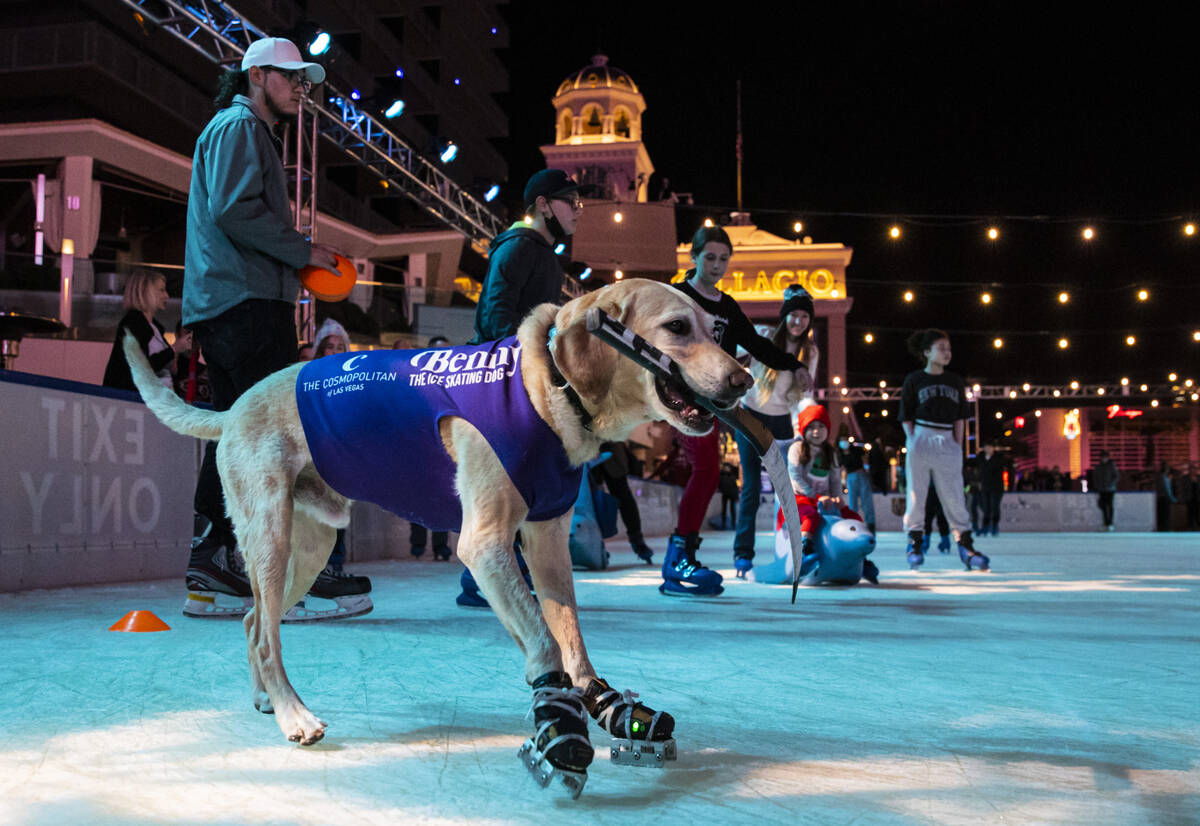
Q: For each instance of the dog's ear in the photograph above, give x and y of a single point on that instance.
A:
(584, 360)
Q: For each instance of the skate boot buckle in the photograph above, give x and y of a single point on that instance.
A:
(646, 754)
(544, 772)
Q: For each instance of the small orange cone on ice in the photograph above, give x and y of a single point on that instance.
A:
(140, 621)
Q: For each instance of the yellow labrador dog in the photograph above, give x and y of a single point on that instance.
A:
(285, 514)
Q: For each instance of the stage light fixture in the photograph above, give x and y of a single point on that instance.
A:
(560, 249)
(586, 274)
(319, 45)
(355, 94)
(449, 153)
(492, 192)
(395, 109)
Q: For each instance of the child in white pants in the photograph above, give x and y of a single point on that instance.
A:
(933, 408)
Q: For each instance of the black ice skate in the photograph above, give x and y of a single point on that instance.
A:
(971, 558)
(559, 747)
(641, 735)
(347, 592)
(216, 579)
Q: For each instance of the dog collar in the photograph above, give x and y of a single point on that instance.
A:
(560, 381)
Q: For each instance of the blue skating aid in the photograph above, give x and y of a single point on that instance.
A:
(835, 556)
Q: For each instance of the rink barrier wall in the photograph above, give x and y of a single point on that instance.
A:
(95, 490)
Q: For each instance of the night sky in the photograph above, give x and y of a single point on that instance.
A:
(945, 118)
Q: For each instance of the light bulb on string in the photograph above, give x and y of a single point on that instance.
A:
(894, 232)
(997, 343)
(798, 227)
(1124, 381)
(1154, 402)
(1063, 344)
(1064, 297)
(868, 338)
(986, 298)
(993, 233)
(708, 222)
(1172, 377)
(908, 296)
(1088, 233)
(1189, 229)
(1143, 295)
(1131, 340)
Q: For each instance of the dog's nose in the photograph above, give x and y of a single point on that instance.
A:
(740, 382)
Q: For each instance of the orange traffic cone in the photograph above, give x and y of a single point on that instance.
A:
(140, 621)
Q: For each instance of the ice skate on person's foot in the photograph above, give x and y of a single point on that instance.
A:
(559, 746)
(973, 559)
(683, 575)
(743, 565)
(914, 555)
(417, 551)
(641, 735)
(925, 541)
(346, 592)
(216, 578)
(441, 553)
(640, 548)
(943, 543)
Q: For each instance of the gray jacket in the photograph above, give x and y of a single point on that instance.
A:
(240, 238)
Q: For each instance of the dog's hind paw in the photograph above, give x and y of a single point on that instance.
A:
(304, 727)
(262, 702)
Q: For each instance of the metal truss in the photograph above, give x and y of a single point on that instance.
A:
(1005, 392)
(219, 32)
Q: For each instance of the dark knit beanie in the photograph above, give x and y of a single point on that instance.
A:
(796, 298)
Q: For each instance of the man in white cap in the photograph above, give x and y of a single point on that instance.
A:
(240, 279)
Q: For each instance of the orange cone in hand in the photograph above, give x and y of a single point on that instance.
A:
(140, 621)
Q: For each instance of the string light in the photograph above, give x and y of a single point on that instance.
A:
(997, 343)
(1088, 233)
(1124, 381)
(1012, 394)
(1063, 344)
(1130, 340)
(1143, 295)
(1056, 393)
(1064, 297)
(1144, 388)
(845, 409)
(1188, 383)
(999, 415)
(908, 296)
(837, 379)
(883, 383)
(1172, 376)
(993, 233)
(1154, 402)
(894, 232)
(882, 412)
(618, 275)
(1099, 391)
(798, 227)
(1038, 413)
(1074, 385)
(1195, 335)
(1189, 229)
(868, 338)
(986, 298)
(708, 222)
(618, 217)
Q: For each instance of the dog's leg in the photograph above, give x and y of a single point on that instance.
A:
(548, 555)
(262, 511)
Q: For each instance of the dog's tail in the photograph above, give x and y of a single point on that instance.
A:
(162, 401)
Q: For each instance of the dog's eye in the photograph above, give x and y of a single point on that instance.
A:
(679, 327)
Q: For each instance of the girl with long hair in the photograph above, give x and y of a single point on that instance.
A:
(933, 409)
(711, 251)
(773, 400)
(145, 297)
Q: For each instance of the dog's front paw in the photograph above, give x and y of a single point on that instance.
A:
(301, 726)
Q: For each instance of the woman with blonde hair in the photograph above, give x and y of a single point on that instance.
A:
(145, 295)
(773, 400)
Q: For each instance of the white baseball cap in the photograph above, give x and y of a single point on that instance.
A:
(282, 54)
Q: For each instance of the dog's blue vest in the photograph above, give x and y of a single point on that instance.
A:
(371, 421)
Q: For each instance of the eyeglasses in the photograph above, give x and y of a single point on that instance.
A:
(295, 77)
(573, 201)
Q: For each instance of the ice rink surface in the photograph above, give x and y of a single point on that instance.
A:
(1064, 687)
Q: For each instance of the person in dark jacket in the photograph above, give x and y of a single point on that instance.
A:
(523, 269)
(991, 488)
(1105, 477)
(145, 295)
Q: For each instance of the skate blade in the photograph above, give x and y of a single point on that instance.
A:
(543, 771)
(316, 609)
(215, 605)
(645, 754)
(671, 592)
